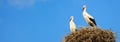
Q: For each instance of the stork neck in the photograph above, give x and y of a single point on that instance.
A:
(72, 19)
(84, 10)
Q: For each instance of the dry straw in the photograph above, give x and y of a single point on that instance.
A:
(90, 35)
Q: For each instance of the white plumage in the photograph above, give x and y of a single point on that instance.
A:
(88, 18)
(72, 24)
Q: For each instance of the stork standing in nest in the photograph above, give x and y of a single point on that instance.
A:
(88, 18)
(73, 27)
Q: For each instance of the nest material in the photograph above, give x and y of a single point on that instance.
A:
(90, 35)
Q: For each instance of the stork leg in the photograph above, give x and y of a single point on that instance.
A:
(89, 27)
(94, 27)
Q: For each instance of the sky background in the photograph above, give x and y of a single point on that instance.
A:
(48, 20)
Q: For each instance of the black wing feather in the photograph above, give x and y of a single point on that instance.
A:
(91, 24)
(93, 20)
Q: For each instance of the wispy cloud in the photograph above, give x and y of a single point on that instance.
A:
(21, 3)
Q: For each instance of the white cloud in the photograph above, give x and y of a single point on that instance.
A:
(21, 3)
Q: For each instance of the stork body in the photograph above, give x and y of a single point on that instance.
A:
(73, 27)
(88, 18)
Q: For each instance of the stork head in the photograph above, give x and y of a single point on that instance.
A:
(71, 18)
(84, 7)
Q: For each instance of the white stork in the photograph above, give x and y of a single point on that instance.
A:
(88, 18)
(72, 25)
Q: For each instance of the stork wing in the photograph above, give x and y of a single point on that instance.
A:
(89, 15)
(93, 20)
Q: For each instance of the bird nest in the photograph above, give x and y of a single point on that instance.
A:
(90, 35)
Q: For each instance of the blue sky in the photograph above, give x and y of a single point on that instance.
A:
(48, 20)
